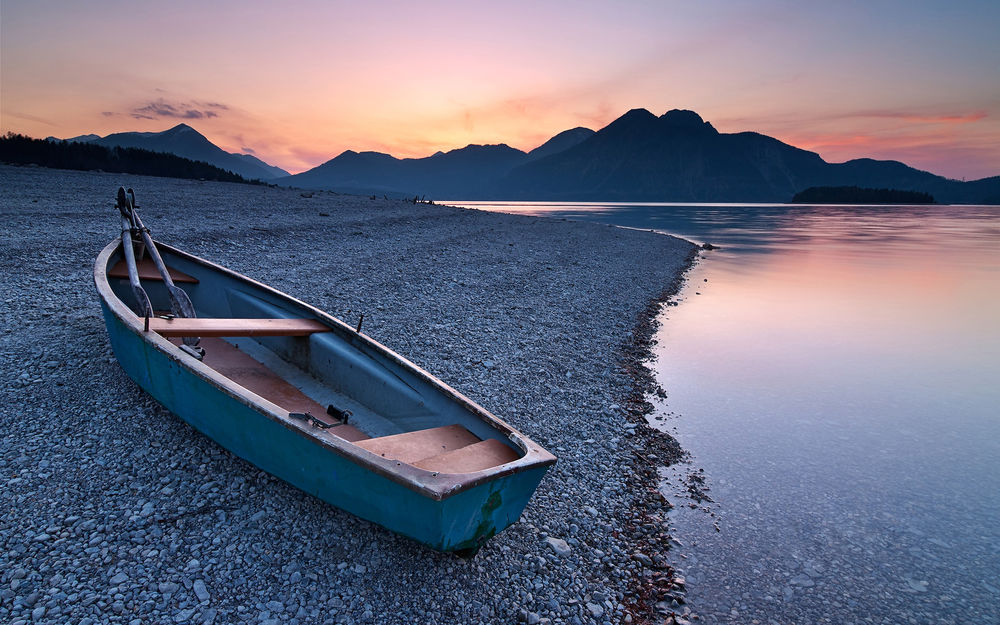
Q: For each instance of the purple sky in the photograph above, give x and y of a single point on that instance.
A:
(298, 83)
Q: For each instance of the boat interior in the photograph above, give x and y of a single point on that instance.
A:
(330, 377)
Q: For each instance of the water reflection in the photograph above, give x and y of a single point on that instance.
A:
(842, 392)
(837, 377)
(764, 227)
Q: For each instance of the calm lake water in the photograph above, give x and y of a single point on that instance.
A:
(834, 373)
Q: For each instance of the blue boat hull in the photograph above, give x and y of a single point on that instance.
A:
(440, 511)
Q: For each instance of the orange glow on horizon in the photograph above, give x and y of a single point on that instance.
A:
(297, 88)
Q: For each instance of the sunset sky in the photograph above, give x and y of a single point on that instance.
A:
(297, 83)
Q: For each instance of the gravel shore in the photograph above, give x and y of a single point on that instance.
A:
(112, 510)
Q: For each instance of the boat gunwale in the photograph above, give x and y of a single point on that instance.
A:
(434, 484)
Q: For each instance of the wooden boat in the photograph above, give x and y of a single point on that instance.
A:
(312, 400)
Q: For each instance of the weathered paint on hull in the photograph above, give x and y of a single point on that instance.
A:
(462, 521)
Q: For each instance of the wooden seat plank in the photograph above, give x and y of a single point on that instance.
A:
(475, 457)
(239, 367)
(411, 447)
(147, 271)
(180, 326)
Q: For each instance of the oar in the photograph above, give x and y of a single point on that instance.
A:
(180, 303)
(145, 308)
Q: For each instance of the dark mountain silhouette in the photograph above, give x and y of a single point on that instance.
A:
(253, 161)
(458, 173)
(79, 139)
(638, 157)
(183, 140)
(675, 157)
(680, 157)
(562, 141)
(88, 156)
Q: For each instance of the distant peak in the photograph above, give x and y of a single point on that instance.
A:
(179, 128)
(682, 118)
(561, 142)
(639, 113)
(636, 118)
(481, 150)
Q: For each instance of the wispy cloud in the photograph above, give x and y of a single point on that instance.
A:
(792, 121)
(32, 118)
(162, 108)
(919, 118)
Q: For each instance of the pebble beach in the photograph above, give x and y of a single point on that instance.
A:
(113, 510)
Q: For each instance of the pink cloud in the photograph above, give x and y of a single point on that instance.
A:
(919, 118)
(161, 108)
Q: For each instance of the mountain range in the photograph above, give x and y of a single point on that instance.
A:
(674, 157)
(183, 140)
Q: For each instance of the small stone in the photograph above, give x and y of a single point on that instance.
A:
(167, 588)
(559, 546)
(200, 591)
(38, 613)
(295, 577)
(532, 618)
(643, 559)
(119, 579)
(596, 610)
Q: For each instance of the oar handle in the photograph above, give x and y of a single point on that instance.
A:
(126, 205)
(180, 303)
(142, 300)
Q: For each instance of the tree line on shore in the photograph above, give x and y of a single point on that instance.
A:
(860, 195)
(19, 149)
